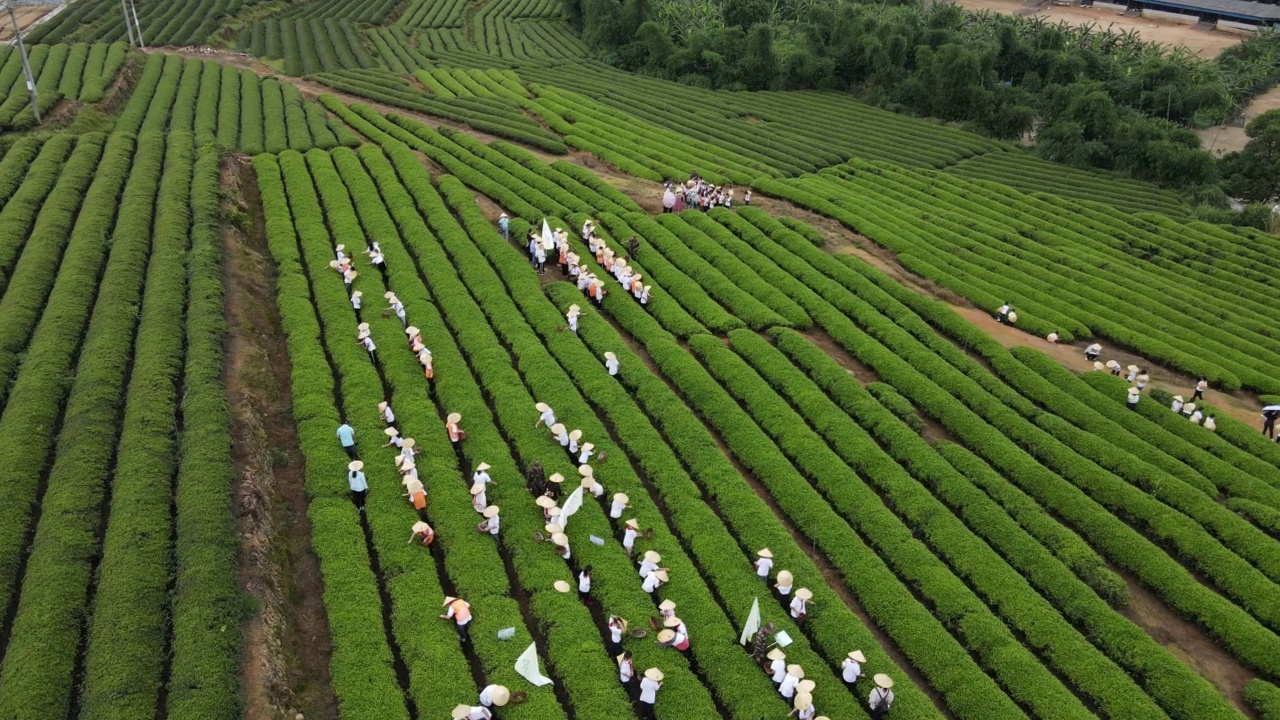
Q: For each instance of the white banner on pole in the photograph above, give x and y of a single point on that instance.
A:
(527, 666)
(753, 623)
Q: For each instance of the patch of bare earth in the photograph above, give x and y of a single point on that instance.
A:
(285, 666)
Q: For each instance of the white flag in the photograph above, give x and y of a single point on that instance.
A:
(547, 237)
(753, 623)
(527, 666)
(571, 505)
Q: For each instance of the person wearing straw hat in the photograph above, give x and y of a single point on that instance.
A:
(1132, 400)
(649, 563)
(629, 534)
(546, 416)
(588, 229)
(414, 335)
(851, 668)
(765, 563)
(357, 483)
(384, 409)
(356, 300)
(800, 604)
(347, 436)
(574, 262)
(1142, 379)
(397, 307)
(673, 639)
(492, 521)
(1133, 373)
(667, 608)
(584, 278)
(377, 259)
(619, 504)
(423, 534)
(598, 287)
(561, 434)
(777, 667)
(1196, 417)
(637, 285)
(393, 439)
(646, 294)
(649, 688)
(340, 252)
(611, 363)
(1210, 424)
(654, 580)
(467, 712)
(1002, 315)
(504, 226)
(365, 339)
(588, 449)
(626, 668)
(459, 611)
(561, 542)
(1052, 338)
(553, 484)
(1092, 352)
(532, 247)
(1200, 387)
(481, 475)
(546, 503)
(416, 493)
(479, 500)
(574, 436)
(572, 315)
(349, 276)
(1098, 366)
(1114, 367)
(881, 697)
(784, 583)
(426, 360)
(590, 485)
(617, 625)
(1178, 402)
(584, 585)
(495, 696)
(803, 707)
(540, 258)
(408, 469)
(1188, 409)
(451, 425)
(794, 675)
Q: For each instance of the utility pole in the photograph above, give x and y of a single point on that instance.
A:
(128, 26)
(26, 66)
(137, 26)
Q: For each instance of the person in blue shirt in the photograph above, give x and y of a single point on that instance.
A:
(504, 224)
(358, 484)
(347, 436)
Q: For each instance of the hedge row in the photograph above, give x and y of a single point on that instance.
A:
(52, 607)
(228, 134)
(207, 111)
(207, 608)
(94, 87)
(361, 663)
(25, 191)
(128, 638)
(161, 107)
(135, 111)
(183, 117)
(904, 366)
(730, 672)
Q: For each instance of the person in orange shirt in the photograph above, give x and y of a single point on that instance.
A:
(459, 611)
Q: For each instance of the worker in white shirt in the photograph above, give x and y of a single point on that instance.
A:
(588, 228)
(777, 665)
(561, 543)
(649, 563)
(396, 306)
(851, 668)
(588, 449)
(1201, 386)
(645, 294)
(667, 608)
(619, 504)
(1132, 400)
(629, 535)
(364, 339)
(492, 521)
(803, 707)
(459, 611)
(481, 475)
(376, 258)
(1142, 379)
(546, 416)
(407, 452)
(649, 687)
(1196, 417)
(388, 417)
(1052, 338)
(794, 675)
(561, 434)
(800, 604)
(1092, 352)
(1002, 315)
(357, 483)
(626, 668)
(591, 485)
(394, 439)
(494, 696)
(654, 580)
(584, 585)
(611, 363)
(617, 625)
(1114, 367)
(1210, 424)
(1177, 404)
(881, 696)
(414, 336)
(349, 275)
(356, 300)
(765, 562)
(1133, 373)
(784, 583)
(572, 316)
(467, 712)
(479, 500)
(1188, 409)
(574, 436)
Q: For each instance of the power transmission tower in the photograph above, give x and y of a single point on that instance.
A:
(22, 49)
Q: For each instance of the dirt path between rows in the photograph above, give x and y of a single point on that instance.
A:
(285, 664)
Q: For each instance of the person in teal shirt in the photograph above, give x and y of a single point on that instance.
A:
(347, 436)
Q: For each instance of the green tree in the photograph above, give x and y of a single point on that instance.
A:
(759, 63)
(1254, 173)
